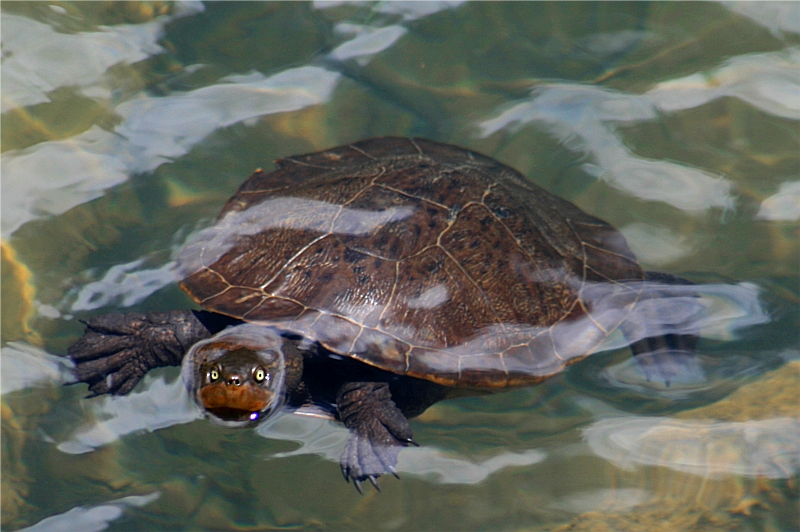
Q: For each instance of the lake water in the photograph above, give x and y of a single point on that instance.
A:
(127, 125)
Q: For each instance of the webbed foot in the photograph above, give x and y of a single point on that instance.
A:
(117, 350)
(378, 431)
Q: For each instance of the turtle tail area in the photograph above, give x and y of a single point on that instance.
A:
(661, 333)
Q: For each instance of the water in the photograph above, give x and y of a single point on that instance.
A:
(126, 126)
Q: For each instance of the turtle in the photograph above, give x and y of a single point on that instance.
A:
(366, 282)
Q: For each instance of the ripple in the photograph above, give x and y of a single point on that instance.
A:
(584, 118)
(92, 518)
(768, 448)
(153, 131)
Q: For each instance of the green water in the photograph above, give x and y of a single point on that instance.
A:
(125, 127)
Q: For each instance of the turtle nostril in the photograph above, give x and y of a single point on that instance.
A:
(235, 381)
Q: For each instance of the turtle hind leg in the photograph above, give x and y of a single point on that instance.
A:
(666, 357)
(661, 333)
(378, 431)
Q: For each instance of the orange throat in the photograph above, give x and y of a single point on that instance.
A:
(245, 397)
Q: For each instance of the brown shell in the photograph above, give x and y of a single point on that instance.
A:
(420, 258)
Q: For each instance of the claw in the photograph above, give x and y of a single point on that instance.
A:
(357, 484)
(412, 442)
(393, 471)
(374, 481)
(345, 474)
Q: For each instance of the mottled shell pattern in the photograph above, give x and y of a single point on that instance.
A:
(420, 258)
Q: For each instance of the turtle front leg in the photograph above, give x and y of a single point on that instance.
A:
(378, 430)
(117, 350)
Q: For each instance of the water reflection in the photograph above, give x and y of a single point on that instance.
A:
(657, 245)
(777, 17)
(93, 518)
(407, 10)
(367, 42)
(608, 500)
(123, 285)
(783, 206)
(325, 439)
(157, 130)
(769, 82)
(156, 404)
(26, 366)
(446, 468)
(37, 59)
(584, 119)
(767, 448)
(153, 131)
(726, 80)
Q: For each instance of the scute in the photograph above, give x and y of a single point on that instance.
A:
(420, 258)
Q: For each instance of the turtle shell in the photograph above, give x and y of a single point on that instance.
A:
(420, 258)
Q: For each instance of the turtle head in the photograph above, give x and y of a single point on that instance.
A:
(237, 376)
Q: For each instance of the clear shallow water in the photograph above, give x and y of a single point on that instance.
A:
(126, 126)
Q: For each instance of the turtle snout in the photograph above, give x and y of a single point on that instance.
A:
(239, 395)
(234, 380)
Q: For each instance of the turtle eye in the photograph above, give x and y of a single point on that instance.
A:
(259, 375)
(213, 374)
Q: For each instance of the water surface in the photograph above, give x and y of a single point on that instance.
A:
(127, 125)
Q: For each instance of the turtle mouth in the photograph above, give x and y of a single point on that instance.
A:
(245, 403)
(234, 396)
